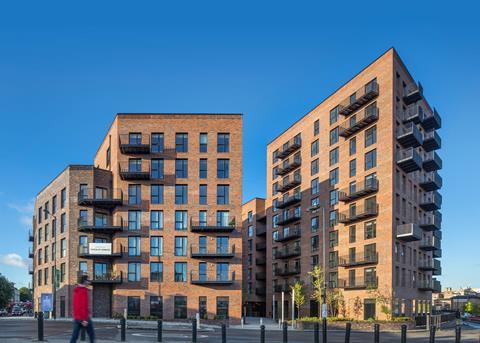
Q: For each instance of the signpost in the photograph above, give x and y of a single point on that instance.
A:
(46, 301)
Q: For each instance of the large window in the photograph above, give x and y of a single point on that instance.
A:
(314, 186)
(333, 197)
(156, 245)
(203, 142)
(333, 156)
(156, 194)
(352, 168)
(203, 168)
(333, 179)
(222, 271)
(63, 223)
(180, 246)
(353, 146)
(314, 167)
(156, 306)
(202, 218)
(202, 307)
(157, 168)
(134, 248)
(334, 136)
(370, 229)
(223, 218)
(135, 138)
(133, 304)
(314, 148)
(134, 220)
(156, 271)
(222, 307)
(316, 127)
(334, 115)
(223, 194)
(223, 168)
(135, 165)
(134, 271)
(54, 204)
(134, 195)
(202, 191)
(63, 198)
(181, 194)
(63, 247)
(180, 272)
(157, 142)
(371, 159)
(156, 220)
(180, 220)
(223, 142)
(181, 168)
(370, 136)
(181, 142)
(180, 307)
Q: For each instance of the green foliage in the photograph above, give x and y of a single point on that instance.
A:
(357, 307)
(6, 291)
(469, 307)
(25, 294)
(298, 295)
(318, 280)
(341, 319)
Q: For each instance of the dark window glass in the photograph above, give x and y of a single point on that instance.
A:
(223, 168)
(181, 142)
(223, 142)
(223, 194)
(181, 168)
(203, 142)
(203, 168)
(202, 194)
(156, 171)
(371, 159)
(157, 143)
(156, 306)
(181, 194)
(133, 306)
(180, 307)
(156, 194)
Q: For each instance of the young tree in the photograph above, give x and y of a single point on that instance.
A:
(25, 294)
(385, 299)
(335, 302)
(318, 280)
(357, 307)
(298, 296)
(6, 291)
(468, 307)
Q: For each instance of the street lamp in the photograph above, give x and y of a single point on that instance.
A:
(54, 284)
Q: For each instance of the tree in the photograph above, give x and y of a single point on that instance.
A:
(335, 302)
(25, 294)
(385, 300)
(6, 291)
(357, 307)
(469, 307)
(318, 280)
(298, 296)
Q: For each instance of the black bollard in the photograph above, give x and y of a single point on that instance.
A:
(316, 333)
(285, 337)
(40, 326)
(224, 333)
(324, 330)
(432, 334)
(458, 333)
(376, 336)
(159, 330)
(262, 333)
(194, 331)
(82, 334)
(123, 324)
(348, 328)
(403, 337)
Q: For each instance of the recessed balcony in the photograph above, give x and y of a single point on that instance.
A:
(429, 286)
(432, 162)
(431, 121)
(287, 271)
(358, 260)
(212, 225)
(100, 250)
(437, 253)
(287, 252)
(431, 201)
(107, 278)
(409, 232)
(260, 276)
(289, 184)
(218, 252)
(358, 283)
(30, 252)
(289, 165)
(413, 114)
(413, 94)
(293, 216)
(431, 222)
(100, 225)
(430, 244)
(362, 96)
(359, 190)
(358, 213)
(260, 231)
(289, 201)
(134, 171)
(134, 143)
(431, 181)
(281, 288)
(260, 261)
(409, 160)
(198, 278)
(289, 235)
(100, 197)
(409, 136)
(426, 265)
(260, 291)
(290, 147)
(358, 121)
(261, 246)
(431, 141)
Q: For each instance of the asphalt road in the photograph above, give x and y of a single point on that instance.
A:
(26, 331)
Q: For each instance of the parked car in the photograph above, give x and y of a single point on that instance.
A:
(3, 313)
(17, 311)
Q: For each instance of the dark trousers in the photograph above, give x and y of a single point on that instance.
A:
(77, 326)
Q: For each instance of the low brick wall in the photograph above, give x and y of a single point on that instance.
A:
(359, 326)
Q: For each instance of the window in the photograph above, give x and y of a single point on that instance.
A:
(156, 271)
(314, 243)
(156, 306)
(334, 136)
(40, 215)
(223, 194)
(202, 307)
(314, 224)
(223, 218)
(333, 218)
(156, 220)
(223, 168)
(370, 229)
(156, 194)
(181, 142)
(180, 246)
(222, 308)
(333, 156)
(62, 272)
(353, 98)
(370, 136)
(134, 195)
(134, 220)
(180, 307)
(333, 197)
(223, 244)
(181, 194)
(202, 218)
(352, 234)
(353, 146)
(82, 266)
(333, 177)
(63, 247)
(314, 186)
(275, 156)
(63, 198)
(180, 272)
(156, 246)
(223, 142)
(314, 167)
(203, 168)
(222, 271)
(314, 148)
(63, 223)
(370, 252)
(134, 165)
(54, 227)
(370, 180)
(133, 306)
(353, 168)
(250, 216)
(46, 211)
(371, 159)
(334, 115)
(134, 248)
(181, 168)
(157, 142)
(180, 220)
(54, 204)
(134, 271)
(46, 232)
(203, 142)
(316, 127)
(135, 138)
(333, 239)
(156, 168)
(202, 191)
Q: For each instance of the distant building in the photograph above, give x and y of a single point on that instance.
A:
(455, 299)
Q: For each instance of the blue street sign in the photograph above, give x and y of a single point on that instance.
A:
(46, 301)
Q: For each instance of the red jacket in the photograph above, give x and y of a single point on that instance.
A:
(80, 303)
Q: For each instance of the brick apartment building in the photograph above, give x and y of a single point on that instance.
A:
(366, 157)
(154, 222)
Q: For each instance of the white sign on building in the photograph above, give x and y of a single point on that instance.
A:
(100, 248)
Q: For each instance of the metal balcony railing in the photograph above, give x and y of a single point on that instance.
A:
(357, 122)
(287, 252)
(357, 213)
(289, 201)
(213, 224)
(292, 216)
(359, 283)
(426, 264)
(409, 232)
(431, 181)
(288, 184)
(358, 259)
(287, 271)
(289, 235)
(290, 147)
(281, 288)
(30, 252)
(431, 201)
(111, 225)
(134, 171)
(432, 162)
(430, 244)
(360, 189)
(413, 114)
(208, 252)
(362, 96)
(260, 246)
(432, 221)
(409, 136)
(413, 94)
(431, 121)
(260, 261)
(211, 278)
(134, 143)
(431, 141)
(429, 285)
(409, 160)
(290, 165)
(30, 235)
(260, 231)
(100, 197)
(260, 276)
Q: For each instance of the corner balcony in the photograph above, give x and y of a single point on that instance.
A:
(437, 253)
(281, 288)
(431, 201)
(261, 246)
(260, 231)
(260, 261)
(197, 278)
(426, 265)
(358, 122)
(100, 197)
(358, 260)
(289, 184)
(30, 236)
(413, 94)
(85, 224)
(430, 286)
(431, 181)
(287, 252)
(413, 114)
(360, 190)
(129, 171)
(30, 252)
(134, 144)
(289, 235)
(289, 201)
(409, 136)
(432, 221)
(432, 162)
(358, 283)
(358, 213)
(437, 267)
(108, 278)
(431, 141)
(289, 166)
(289, 218)
(409, 232)
(218, 252)
(212, 225)
(287, 271)
(431, 121)
(100, 250)
(409, 160)
(362, 96)
(430, 244)
(290, 147)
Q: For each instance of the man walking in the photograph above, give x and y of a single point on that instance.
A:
(81, 312)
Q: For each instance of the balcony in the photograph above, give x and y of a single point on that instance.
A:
(260, 261)
(431, 201)
(293, 216)
(426, 265)
(261, 246)
(290, 165)
(289, 184)
(30, 269)
(30, 235)
(430, 244)
(130, 171)
(197, 278)
(413, 114)
(358, 213)
(359, 121)
(260, 276)
(281, 288)
(431, 181)
(431, 141)
(409, 136)
(413, 94)
(431, 121)
(134, 144)
(260, 231)
(30, 252)
(213, 225)
(100, 197)
(437, 253)
(289, 201)
(100, 250)
(218, 252)
(287, 252)
(358, 260)
(430, 286)
(409, 232)
(290, 147)
(432, 221)
(432, 162)
(409, 160)
(437, 267)
(359, 283)
(287, 271)
(360, 190)
(107, 278)
(98, 225)
(289, 235)
(362, 96)
(260, 291)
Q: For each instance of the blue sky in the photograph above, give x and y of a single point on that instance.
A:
(66, 68)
